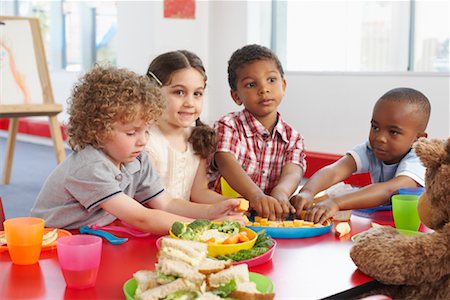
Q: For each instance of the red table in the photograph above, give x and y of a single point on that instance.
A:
(310, 268)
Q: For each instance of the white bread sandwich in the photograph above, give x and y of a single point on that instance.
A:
(212, 265)
(178, 289)
(190, 252)
(145, 280)
(239, 273)
(169, 270)
(248, 291)
(245, 289)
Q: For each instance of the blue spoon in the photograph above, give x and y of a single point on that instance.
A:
(108, 236)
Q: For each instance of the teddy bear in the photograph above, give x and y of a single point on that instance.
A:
(414, 267)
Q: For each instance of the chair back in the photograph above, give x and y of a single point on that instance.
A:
(2, 214)
(227, 190)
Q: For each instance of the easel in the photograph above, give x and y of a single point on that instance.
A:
(17, 109)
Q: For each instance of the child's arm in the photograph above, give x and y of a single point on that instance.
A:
(164, 211)
(200, 192)
(321, 180)
(290, 178)
(369, 196)
(265, 206)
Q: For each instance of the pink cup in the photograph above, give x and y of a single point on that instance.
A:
(79, 257)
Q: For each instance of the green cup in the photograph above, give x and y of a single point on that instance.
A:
(404, 210)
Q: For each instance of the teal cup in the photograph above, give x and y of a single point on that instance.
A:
(404, 211)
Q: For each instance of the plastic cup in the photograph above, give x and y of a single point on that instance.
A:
(411, 191)
(79, 258)
(24, 239)
(404, 210)
(227, 190)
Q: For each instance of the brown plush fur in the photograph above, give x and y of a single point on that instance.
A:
(415, 267)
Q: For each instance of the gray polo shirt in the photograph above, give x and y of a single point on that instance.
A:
(72, 194)
(410, 165)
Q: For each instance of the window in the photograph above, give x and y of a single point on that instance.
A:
(76, 33)
(370, 36)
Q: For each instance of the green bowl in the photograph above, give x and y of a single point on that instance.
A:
(263, 285)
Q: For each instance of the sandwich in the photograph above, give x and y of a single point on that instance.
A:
(238, 273)
(211, 265)
(177, 289)
(236, 281)
(190, 252)
(169, 270)
(145, 279)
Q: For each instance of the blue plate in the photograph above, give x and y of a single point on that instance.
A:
(374, 209)
(293, 232)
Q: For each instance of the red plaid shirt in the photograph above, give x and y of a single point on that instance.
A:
(261, 156)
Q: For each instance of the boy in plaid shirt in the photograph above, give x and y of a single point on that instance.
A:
(260, 156)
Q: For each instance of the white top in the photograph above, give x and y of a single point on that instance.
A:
(176, 169)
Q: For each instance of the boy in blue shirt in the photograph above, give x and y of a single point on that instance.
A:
(399, 118)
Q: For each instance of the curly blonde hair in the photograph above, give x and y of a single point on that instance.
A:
(106, 95)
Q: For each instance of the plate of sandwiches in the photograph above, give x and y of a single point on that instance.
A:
(256, 255)
(185, 271)
(290, 229)
(48, 240)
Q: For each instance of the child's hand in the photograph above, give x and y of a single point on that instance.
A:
(239, 217)
(224, 208)
(302, 201)
(322, 211)
(268, 207)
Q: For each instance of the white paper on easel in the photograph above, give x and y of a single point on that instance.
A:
(19, 76)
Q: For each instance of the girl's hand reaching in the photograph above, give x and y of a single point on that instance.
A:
(224, 209)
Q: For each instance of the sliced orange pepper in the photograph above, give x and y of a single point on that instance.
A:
(232, 239)
(243, 237)
(210, 241)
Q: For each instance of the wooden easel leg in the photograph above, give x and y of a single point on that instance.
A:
(10, 145)
(57, 139)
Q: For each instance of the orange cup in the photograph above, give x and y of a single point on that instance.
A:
(24, 239)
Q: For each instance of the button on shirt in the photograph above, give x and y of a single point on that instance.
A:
(261, 155)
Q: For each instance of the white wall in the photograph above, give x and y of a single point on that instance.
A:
(332, 111)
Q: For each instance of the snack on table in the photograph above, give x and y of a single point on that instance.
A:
(243, 205)
(342, 229)
(297, 223)
(180, 276)
(47, 239)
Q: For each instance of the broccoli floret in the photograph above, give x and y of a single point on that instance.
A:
(200, 225)
(229, 227)
(214, 226)
(178, 228)
(189, 234)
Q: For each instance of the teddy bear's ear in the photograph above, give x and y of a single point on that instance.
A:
(432, 152)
